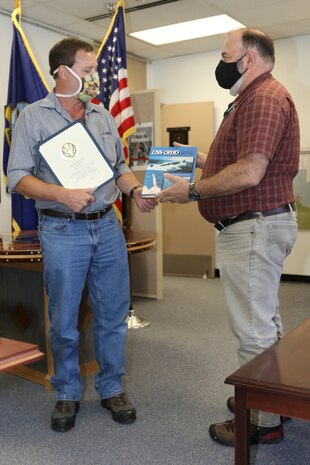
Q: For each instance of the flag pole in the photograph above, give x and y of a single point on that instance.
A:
(17, 4)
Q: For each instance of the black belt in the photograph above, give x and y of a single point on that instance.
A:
(96, 215)
(289, 207)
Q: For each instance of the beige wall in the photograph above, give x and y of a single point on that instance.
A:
(136, 75)
(187, 237)
(147, 268)
(188, 241)
(195, 82)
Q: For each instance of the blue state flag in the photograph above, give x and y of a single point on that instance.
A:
(26, 85)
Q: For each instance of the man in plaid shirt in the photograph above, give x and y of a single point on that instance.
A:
(246, 190)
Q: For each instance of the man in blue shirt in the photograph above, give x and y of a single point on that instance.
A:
(81, 238)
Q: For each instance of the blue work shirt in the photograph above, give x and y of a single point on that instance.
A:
(44, 118)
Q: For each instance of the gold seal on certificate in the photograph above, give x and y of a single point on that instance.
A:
(75, 158)
(69, 150)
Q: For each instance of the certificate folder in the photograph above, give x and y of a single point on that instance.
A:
(75, 158)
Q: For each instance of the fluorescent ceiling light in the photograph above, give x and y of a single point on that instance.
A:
(188, 30)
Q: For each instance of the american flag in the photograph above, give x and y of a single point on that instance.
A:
(114, 92)
(112, 69)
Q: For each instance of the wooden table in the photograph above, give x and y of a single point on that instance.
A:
(14, 353)
(25, 247)
(23, 251)
(276, 381)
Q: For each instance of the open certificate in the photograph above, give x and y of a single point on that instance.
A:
(75, 158)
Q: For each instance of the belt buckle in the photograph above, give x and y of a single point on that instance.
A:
(292, 207)
(93, 216)
(220, 225)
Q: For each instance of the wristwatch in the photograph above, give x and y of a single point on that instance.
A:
(192, 194)
(132, 192)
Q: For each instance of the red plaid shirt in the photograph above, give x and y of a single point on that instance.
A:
(263, 119)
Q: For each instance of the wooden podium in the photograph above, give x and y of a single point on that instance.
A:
(21, 255)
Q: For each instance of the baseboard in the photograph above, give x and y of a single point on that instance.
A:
(144, 295)
(295, 278)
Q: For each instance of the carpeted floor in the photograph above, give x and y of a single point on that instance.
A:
(175, 377)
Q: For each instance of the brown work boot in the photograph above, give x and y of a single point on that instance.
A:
(231, 407)
(231, 404)
(121, 409)
(63, 418)
(224, 433)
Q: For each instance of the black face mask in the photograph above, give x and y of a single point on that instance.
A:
(227, 74)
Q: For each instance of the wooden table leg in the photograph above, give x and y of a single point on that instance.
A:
(49, 356)
(242, 428)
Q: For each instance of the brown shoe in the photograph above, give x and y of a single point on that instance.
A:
(63, 418)
(231, 404)
(224, 433)
(231, 407)
(121, 409)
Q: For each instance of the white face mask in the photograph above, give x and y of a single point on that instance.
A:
(88, 86)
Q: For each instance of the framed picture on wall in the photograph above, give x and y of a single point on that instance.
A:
(139, 145)
(179, 135)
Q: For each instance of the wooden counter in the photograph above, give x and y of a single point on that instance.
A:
(22, 253)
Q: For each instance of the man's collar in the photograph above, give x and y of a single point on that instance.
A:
(253, 84)
(51, 101)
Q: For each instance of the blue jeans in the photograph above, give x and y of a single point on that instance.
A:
(251, 256)
(75, 252)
